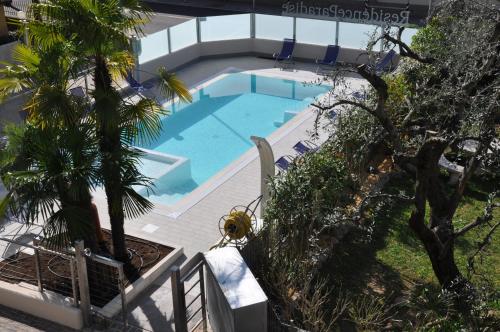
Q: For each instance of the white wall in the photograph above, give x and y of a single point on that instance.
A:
(47, 305)
(249, 46)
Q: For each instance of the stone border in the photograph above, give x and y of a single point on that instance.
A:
(137, 287)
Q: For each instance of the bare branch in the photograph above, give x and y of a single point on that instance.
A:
(482, 245)
(405, 50)
(345, 102)
(485, 218)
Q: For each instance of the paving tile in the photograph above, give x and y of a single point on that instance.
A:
(198, 228)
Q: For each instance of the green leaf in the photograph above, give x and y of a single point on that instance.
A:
(171, 86)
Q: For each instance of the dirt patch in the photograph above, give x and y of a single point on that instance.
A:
(103, 280)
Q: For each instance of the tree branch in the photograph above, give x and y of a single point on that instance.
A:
(487, 135)
(345, 102)
(482, 245)
(485, 218)
(427, 170)
(405, 50)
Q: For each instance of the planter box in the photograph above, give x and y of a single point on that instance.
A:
(132, 291)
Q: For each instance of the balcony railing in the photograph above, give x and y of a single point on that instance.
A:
(245, 26)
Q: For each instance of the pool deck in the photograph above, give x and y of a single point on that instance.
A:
(197, 228)
(193, 223)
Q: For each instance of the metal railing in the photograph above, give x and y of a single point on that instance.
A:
(15, 6)
(46, 269)
(186, 313)
(104, 280)
(89, 280)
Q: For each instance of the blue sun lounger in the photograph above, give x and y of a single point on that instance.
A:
(284, 162)
(132, 82)
(385, 64)
(305, 146)
(360, 95)
(330, 59)
(285, 56)
(332, 115)
(77, 92)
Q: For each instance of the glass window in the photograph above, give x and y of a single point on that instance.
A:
(273, 27)
(154, 46)
(357, 36)
(225, 27)
(315, 31)
(183, 35)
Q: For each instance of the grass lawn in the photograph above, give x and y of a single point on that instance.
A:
(394, 260)
(403, 252)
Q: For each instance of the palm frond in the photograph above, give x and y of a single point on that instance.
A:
(13, 149)
(120, 63)
(66, 225)
(44, 34)
(141, 121)
(134, 204)
(52, 106)
(26, 56)
(5, 203)
(14, 78)
(11, 85)
(171, 86)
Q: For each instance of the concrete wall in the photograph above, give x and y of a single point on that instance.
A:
(135, 289)
(328, 2)
(10, 110)
(6, 51)
(249, 46)
(47, 305)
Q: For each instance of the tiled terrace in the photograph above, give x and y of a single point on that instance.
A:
(197, 228)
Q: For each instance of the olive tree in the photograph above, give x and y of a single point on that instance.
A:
(444, 95)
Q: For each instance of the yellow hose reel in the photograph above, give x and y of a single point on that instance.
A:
(238, 225)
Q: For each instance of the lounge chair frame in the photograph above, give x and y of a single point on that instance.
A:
(284, 57)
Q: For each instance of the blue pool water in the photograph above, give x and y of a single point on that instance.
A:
(215, 128)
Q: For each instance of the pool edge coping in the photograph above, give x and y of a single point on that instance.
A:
(196, 196)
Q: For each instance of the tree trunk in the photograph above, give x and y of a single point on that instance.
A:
(79, 232)
(4, 30)
(107, 114)
(436, 235)
(440, 252)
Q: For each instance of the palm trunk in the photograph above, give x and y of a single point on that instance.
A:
(4, 30)
(106, 102)
(84, 203)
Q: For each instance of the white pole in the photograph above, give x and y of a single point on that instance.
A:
(267, 168)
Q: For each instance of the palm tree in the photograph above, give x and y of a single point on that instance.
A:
(49, 164)
(100, 31)
(49, 173)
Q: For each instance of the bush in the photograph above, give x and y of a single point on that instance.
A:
(305, 200)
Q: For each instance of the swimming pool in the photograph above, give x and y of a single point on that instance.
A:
(215, 129)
